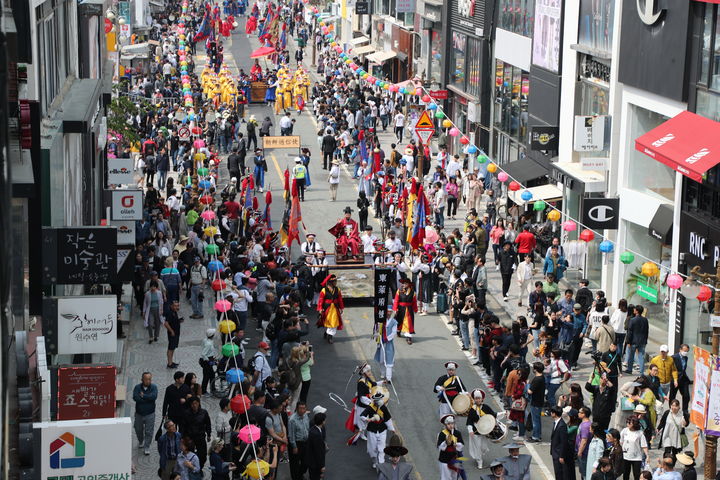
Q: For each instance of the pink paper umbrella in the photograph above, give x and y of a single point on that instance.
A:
(208, 215)
(249, 434)
(222, 305)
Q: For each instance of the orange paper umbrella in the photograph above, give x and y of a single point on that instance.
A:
(262, 52)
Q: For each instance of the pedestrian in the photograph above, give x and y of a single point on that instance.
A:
(516, 465)
(582, 440)
(635, 448)
(687, 459)
(220, 469)
(399, 123)
(508, 264)
(188, 463)
(152, 308)
(604, 335)
(196, 426)
(176, 394)
(683, 381)
(316, 447)
(536, 391)
(671, 430)
(603, 470)
(198, 279)
(478, 443)
(667, 371)
(328, 147)
(377, 421)
(450, 445)
(637, 338)
(298, 431)
(300, 174)
(395, 470)
(617, 322)
(261, 366)
(334, 179)
(556, 369)
(208, 359)
(524, 275)
(169, 448)
(170, 277)
(259, 170)
(604, 398)
(330, 307)
(144, 394)
(223, 428)
(560, 448)
(666, 470)
(172, 325)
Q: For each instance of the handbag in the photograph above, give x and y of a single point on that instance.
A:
(519, 404)
(159, 432)
(626, 405)
(684, 442)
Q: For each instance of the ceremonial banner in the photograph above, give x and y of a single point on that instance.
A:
(698, 408)
(713, 411)
(382, 286)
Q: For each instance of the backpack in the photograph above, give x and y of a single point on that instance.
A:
(271, 331)
(252, 361)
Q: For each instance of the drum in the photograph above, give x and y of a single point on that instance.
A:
(382, 389)
(485, 425)
(461, 404)
(498, 433)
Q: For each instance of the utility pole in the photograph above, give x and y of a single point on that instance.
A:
(710, 440)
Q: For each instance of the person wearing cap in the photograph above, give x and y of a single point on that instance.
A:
(450, 446)
(334, 178)
(394, 470)
(497, 471)
(330, 307)
(154, 276)
(447, 387)
(376, 421)
(478, 443)
(385, 351)
(405, 308)
(667, 371)
(300, 174)
(310, 246)
(207, 358)
(517, 466)
(261, 369)
(198, 279)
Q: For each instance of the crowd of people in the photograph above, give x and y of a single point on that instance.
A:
(211, 242)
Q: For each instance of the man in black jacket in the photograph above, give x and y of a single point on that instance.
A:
(233, 163)
(560, 449)
(176, 395)
(683, 381)
(584, 296)
(196, 425)
(508, 261)
(604, 396)
(637, 338)
(329, 144)
(316, 447)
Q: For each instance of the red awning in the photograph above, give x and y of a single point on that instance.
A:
(687, 143)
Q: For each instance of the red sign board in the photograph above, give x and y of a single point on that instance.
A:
(86, 392)
(439, 94)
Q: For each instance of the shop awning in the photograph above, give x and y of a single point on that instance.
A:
(687, 143)
(359, 40)
(363, 50)
(524, 170)
(548, 193)
(381, 57)
(662, 224)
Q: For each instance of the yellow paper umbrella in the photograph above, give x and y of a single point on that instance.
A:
(226, 326)
(256, 469)
(492, 168)
(649, 269)
(553, 215)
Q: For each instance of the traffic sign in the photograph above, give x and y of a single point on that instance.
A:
(184, 133)
(424, 135)
(424, 122)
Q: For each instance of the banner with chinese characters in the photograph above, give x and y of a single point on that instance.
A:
(698, 407)
(382, 291)
(289, 141)
(713, 412)
(85, 392)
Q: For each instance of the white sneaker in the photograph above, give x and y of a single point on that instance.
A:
(147, 451)
(497, 267)
(518, 438)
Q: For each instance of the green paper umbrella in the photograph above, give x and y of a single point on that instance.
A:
(627, 257)
(203, 171)
(482, 158)
(212, 249)
(439, 115)
(230, 350)
(539, 206)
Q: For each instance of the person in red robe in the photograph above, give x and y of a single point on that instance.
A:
(330, 307)
(405, 308)
(347, 234)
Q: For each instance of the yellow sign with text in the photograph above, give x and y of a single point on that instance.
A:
(290, 141)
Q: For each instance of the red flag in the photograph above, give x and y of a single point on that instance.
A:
(419, 220)
(295, 219)
(294, 188)
(268, 197)
(255, 203)
(286, 194)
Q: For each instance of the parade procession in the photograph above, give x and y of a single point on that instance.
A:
(378, 240)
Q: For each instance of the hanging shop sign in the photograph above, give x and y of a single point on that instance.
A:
(468, 17)
(589, 133)
(85, 392)
(405, 6)
(125, 232)
(79, 325)
(544, 138)
(362, 8)
(647, 292)
(79, 255)
(78, 449)
(120, 171)
(601, 213)
(700, 241)
(438, 94)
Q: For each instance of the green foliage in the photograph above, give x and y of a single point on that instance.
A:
(122, 109)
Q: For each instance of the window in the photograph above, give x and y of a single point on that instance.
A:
(457, 75)
(645, 174)
(435, 56)
(473, 67)
(512, 89)
(710, 62)
(596, 24)
(53, 49)
(517, 16)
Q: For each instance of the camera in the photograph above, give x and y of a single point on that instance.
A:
(596, 356)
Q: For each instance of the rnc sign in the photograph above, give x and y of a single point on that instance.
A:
(79, 449)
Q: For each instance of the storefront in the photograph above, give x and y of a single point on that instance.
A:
(467, 59)
(429, 63)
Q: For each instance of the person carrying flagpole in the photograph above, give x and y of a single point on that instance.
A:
(330, 307)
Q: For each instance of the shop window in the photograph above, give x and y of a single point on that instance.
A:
(457, 74)
(473, 67)
(708, 104)
(517, 16)
(435, 56)
(710, 61)
(512, 90)
(596, 24)
(595, 99)
(645, 174)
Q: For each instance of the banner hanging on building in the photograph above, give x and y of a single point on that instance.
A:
(382, 287)
(712, 426)
(85, 392)
(698, 407)
(79, 255)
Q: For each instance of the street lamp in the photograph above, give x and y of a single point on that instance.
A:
(710, 440)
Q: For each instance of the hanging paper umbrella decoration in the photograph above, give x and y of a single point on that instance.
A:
(205, 184)
(569, 226)
(223, 305)
(240, 403)
(226, 326)
(218, 285)
(206, 200)
(447, 123)
(526, 196)
(649, 269)
(492, 168)
(202, 171)
(539, 206)
(432, 106)
(257, 469)
(426, 99)
(208, 215)
(230, 350)
(690, 288)
(249, 434)
(211, 248)
(606, 246)
(502, 176)
(587, 235)
(705, 293)
(627, 257)
(464, 140)
(553, 215)
(514, 186)
(454, 132)
(234, 376)
(472, 149)
(215, 266)
(674, 281)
